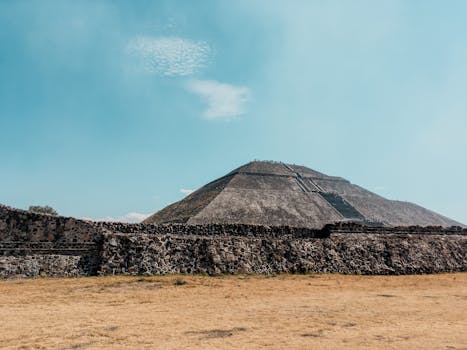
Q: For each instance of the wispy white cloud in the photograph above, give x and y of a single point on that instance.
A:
(134, 217)
(129, 217)
(169, 56)
(186, 192)
(224, 101)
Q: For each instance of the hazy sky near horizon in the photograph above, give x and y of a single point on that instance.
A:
(114, 109)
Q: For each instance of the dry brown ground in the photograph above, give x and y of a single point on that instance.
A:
(236, 312)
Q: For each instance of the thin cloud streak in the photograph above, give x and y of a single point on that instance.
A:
(186, 192)
(131, 217)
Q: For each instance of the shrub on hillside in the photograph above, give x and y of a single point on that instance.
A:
(42, 209)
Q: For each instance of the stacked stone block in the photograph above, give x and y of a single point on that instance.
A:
(41, 245)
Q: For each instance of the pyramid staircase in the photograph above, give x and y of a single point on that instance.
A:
(340, 205)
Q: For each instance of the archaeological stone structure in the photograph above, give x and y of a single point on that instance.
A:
(41, 245)
(275, 193)
(264, 217)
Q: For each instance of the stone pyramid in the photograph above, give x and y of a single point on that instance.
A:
(276, 194)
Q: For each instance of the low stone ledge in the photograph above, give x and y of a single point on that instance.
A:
(22, 248)
(357, 228)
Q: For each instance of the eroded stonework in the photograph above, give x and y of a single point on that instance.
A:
(145, 254)
(41, 245)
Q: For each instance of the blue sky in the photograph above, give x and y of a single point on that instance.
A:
(120, 107)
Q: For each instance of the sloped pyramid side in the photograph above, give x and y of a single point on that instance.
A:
(182, 211)
(258, 193)
(266, 200)
(272, 193)
(379, 209)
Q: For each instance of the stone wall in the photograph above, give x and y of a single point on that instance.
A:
(49, 264)
(241, 230)
(23, 226)
(352, 228)
(42, 245)
(141, 253)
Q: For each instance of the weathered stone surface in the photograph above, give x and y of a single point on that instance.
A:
(275, 193)
(357, 253)
(40, 245)
(52, 265)
(24, 226)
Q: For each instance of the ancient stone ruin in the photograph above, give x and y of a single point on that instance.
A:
(264, 217)
(274, 193)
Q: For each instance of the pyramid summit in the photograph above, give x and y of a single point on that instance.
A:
(276, 194)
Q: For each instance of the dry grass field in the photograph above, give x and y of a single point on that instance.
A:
(235, 312)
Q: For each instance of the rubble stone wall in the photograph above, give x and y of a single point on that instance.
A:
(42, 245)
(139, 254)
(49, 264)
(23, 226)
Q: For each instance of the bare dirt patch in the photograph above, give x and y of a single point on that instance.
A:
(235, 312)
